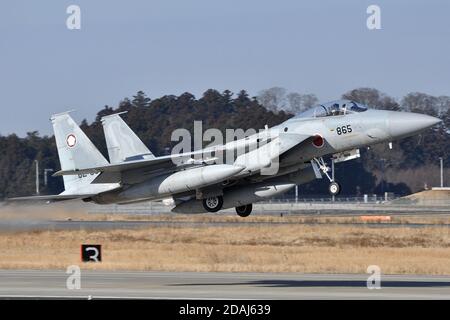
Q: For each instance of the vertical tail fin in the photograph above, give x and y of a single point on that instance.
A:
(75, 151)
(121, 141)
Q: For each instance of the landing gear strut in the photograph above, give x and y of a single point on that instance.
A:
(334, 188)
(213, 204)
(244, 211)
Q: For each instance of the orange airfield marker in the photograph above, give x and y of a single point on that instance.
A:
(375, 218)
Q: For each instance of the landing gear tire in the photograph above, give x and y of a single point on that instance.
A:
(244, 211)
(213, 204)
(334, 188)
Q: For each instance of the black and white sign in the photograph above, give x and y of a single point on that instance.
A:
(91, 253)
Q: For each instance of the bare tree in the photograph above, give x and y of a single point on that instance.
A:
(420, 102)
(372, 98)
(309, 100)
(443, 105)
(300, 102)
(273, 99)
(295, 102)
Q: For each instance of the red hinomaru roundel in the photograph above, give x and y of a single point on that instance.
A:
(71, 140)
(318, 141)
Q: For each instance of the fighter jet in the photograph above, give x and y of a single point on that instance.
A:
(264, 165)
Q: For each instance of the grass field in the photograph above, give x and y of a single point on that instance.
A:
(435, 219)
(297, 247)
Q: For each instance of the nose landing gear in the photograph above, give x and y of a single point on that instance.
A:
(334, 188)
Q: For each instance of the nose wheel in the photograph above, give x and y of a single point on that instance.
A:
(213, 204)
(244, 211)
(334, 188)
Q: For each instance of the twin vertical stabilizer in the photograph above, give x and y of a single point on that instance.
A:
(121, 141)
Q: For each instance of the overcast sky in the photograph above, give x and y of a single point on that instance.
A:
(169, 47)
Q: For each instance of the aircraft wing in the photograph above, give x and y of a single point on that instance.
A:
(291, 140)
(269, 153)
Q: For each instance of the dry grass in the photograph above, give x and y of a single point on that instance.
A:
(259, 248)
(438, 219)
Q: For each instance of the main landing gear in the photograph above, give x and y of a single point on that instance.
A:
(334, 188)
(213, 204)
(244, 211)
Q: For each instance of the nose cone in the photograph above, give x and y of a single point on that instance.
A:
(403, 124)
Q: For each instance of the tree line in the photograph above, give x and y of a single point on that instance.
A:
(400, 170)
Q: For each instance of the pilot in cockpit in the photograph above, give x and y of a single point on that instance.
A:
(342, 107)
(334, 109)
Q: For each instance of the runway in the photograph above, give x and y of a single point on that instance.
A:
(110, 225)
(191, 285)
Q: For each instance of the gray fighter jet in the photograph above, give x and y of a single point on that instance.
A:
(263, 165)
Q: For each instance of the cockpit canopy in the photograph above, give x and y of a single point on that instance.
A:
(333, 108)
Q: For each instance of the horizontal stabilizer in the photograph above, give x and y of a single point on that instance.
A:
(51, 198)
(181, 159)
